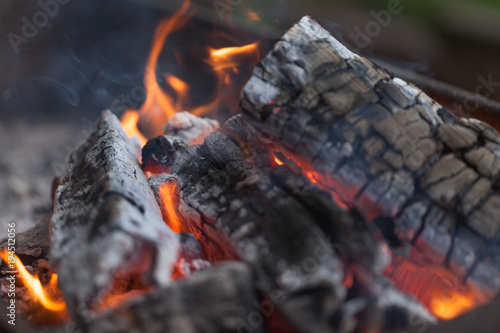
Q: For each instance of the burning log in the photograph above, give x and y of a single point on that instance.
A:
(382, 146)
(105, 221)
(219, 299)
(164, 187)
(36, 294)
(279, 223)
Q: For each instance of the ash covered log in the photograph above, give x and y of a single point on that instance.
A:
(106, 221)
(219, 299)
(190, 128)
(283, 226)
(384, 147)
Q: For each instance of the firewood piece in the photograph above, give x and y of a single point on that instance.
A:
(219, 299)
(106, 221)
(379, 143)
(213, 249)
(190, 128)
(32, 247)
(160, 153)
(278, 222)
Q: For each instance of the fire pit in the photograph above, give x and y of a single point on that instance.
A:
(338, 198)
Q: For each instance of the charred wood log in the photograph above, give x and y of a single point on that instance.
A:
(384, 147)
(106, 221)
(212, 239)
(159, 153)
(32, 248)
(280, 223)
(191, 256)
(219, 299)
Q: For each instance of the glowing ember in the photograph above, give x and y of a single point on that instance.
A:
(312, 176)
(167, 193)
(42, 294)
(178, 272)
(113, 300)
(252, 16)
(180, 87)
(455, 306)
(278, 161)
(438, 289)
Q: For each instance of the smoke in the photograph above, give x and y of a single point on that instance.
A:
(87, 53)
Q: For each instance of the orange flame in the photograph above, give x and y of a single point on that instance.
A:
(225, 61)
(445, 295)
(252, 16)
(312, 176)
(113, 300)
(167, 194)
(40, 293)
(180, 87)
(158, 106)
(227, 57)
(457, 305)
(129, 123)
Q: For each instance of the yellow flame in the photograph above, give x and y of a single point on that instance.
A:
(129, 122)
(227, 57)
(158, 106)
(34, 285)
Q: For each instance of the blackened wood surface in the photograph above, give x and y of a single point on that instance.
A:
(214, 242)
(291, 232)
(385, 148)
(106, 220)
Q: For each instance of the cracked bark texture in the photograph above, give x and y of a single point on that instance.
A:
(233, 193)
(106, 221)
(383, 146)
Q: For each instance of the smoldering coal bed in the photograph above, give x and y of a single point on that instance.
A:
(340, 199)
